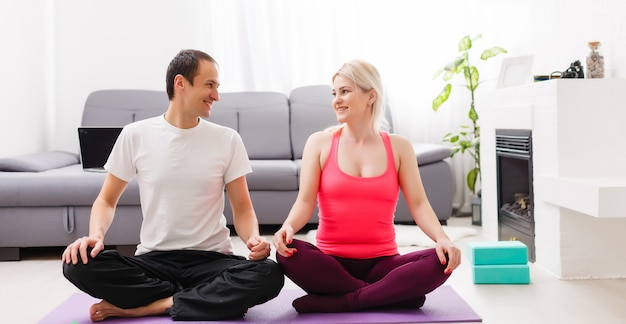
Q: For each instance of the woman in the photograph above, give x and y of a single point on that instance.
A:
(355, 171)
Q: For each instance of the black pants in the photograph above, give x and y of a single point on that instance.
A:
(204, 285)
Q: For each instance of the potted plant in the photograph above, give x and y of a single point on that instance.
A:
(466, 139)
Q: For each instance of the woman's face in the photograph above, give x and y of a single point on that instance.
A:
(349, 101)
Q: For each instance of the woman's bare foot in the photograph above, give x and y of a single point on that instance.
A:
(103, 310)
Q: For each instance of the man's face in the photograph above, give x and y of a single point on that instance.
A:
(201, 95)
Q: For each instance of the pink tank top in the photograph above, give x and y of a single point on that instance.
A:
(356, 213)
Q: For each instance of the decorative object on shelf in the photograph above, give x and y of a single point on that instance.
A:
(467, 137)
(542, 77)
(595, 62)
(574, 71)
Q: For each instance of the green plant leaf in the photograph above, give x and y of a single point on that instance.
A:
(465, 43)
(438, 73)
(465, 139)
(452, 68)
(448, 75)
(472, 176)
(472, 114)
(491, 52)
(460, 63)
(442, 96)
(471, 78)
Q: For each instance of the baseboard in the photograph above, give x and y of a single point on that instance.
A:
(9, 254)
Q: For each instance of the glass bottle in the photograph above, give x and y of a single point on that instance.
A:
(595, 62)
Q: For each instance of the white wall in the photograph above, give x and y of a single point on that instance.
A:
(56, 52)
(114, 44)
(23, 77)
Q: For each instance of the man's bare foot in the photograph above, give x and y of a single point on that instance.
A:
(103, 310)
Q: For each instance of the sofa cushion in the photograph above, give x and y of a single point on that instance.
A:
(38, 162)
(262, 122)
(121, 107)
(273, 175)
(67, 186)
(311, 111)
(224, 117)
(427, 153)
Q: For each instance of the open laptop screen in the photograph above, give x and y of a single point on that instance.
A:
(96, 144)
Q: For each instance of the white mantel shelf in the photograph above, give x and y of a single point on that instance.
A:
(597, 197)
(578, 166)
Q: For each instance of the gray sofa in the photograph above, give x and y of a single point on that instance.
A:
(46, 197)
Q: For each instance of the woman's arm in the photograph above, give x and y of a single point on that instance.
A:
(421, 210)
(302, 209)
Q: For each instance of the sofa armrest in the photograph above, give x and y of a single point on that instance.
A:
(427, 153)
(38, 162)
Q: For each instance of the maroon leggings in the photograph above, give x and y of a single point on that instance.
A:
(337, 284)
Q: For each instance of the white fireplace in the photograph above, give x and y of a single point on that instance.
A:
(579, 171)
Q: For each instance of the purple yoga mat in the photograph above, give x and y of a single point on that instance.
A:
(443, 305)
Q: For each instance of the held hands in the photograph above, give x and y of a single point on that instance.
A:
(444, 248)
(259, 248)
(283, 237)
(79, 248)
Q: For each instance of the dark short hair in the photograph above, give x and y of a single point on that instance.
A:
(186, 64)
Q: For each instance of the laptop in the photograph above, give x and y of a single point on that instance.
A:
(96, 144)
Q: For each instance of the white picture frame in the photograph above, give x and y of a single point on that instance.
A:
(515, 71)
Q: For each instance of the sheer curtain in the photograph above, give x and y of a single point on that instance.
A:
(278, 45)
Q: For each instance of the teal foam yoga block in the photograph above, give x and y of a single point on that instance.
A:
(497, 252)
(501, 274)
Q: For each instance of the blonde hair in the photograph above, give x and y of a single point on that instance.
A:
(366, 77)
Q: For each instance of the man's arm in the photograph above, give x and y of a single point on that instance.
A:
(245, 220)
(102, 213)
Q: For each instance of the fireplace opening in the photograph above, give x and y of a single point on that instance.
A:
(514, 184)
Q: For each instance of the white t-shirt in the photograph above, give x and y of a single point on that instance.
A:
(181, 175)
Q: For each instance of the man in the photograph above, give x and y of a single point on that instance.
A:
(184, 265)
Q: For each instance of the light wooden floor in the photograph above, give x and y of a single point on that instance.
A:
(33, 287)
